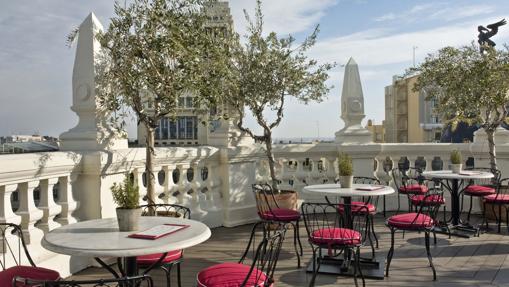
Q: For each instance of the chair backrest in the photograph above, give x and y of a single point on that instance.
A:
(136, 281)
(13, 248)
(433, 195)
(165, 209)
(494, 181)
(265, 199)
(263, 248)
(320, 217)
(503, 187)
(405, 177)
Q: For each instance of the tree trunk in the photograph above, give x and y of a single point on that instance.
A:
(149, 164)
(491, 145)
(270, 156)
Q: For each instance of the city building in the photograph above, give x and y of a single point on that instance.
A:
(187, 128)
(409, 116)
(377, 131)
(27, 144)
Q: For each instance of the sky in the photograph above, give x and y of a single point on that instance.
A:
(36, 65)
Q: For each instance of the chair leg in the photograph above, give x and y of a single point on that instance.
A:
(430, 259)
(295, 232)
(167, 271)
(500, 217)
(385, 216)
(369, 231)
(179, 280)
(373, 229)
(470, 209)
(391, 252)
(355, 268)
(298, 239)
(316, 267)
(358, 264)
(399, 204)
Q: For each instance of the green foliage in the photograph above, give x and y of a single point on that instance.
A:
(126, 194)
(456, 157)
(267, 70)
(345, 165)
(467, 85)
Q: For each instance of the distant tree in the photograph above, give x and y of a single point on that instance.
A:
(266, 71)
(468, 87)
(157, 51)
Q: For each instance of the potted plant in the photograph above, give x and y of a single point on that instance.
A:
(345, 167)
(456, 161)
(126, 195)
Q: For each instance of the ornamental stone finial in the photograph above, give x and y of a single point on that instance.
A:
(92, 131)
(352, 107)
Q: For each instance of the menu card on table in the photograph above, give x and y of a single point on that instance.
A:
(469, 172)
(370, 187)
(158, 231)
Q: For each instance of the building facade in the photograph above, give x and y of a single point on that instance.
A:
(409, 116)
(377, 131)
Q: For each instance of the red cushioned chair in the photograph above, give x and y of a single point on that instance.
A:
(260, 272)
(501, 200)
(479, 188)
(12, 245)
(408, 182)
(171, 258)
(136, 281)
(331, 230)
(269, 210)
(421, 221)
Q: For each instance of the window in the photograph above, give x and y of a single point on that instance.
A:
(181, 128)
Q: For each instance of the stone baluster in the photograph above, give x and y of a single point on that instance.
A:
(48, 205)
(429, 162)
(173, 188)
(29, 213)
(331, 168)
(165, 183)
(66, 201)
(6, 212)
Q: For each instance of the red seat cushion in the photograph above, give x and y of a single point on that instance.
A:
(281, 214)
(427, 200)
(410, 221)
(230, 275)
(358, 207)
(152, 258)
(479, 190)
(501, 198)
(413, 189)
(27, 272)
(335, 236)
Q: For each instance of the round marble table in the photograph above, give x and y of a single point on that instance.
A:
(101, 238)
(347, 192)
(452, 182)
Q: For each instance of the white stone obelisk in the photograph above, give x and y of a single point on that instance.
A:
(92, 133)
(352, 108)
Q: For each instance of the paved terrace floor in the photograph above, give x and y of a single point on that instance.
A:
(479, 261)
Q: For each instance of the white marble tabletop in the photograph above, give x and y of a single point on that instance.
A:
(448, 174)
(101, 238)
(337, 190)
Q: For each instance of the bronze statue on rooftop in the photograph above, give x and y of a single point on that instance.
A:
(485, 33)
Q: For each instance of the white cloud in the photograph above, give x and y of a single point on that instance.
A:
(451, 14)
(281, 17)
(386, 17)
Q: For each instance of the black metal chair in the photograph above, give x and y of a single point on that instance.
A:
(420, 221)
(172, 258)
(408, 182)
(13, 250)
(500, 200)
(135, 281)
(335, 231)
(479, 188)
(264, 255)
(269, 210)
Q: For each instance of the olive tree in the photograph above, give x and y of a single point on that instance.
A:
(266, 71)
(468, 86)
(155, 52)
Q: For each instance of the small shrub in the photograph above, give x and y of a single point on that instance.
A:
(126, 194)
(345, 165)
(455, 157)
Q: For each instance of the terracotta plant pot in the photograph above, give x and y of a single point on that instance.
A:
(346, 181)
(128, 219)
(456, 168)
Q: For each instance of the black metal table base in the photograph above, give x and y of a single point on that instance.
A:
(372, 269)
(463, 231)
